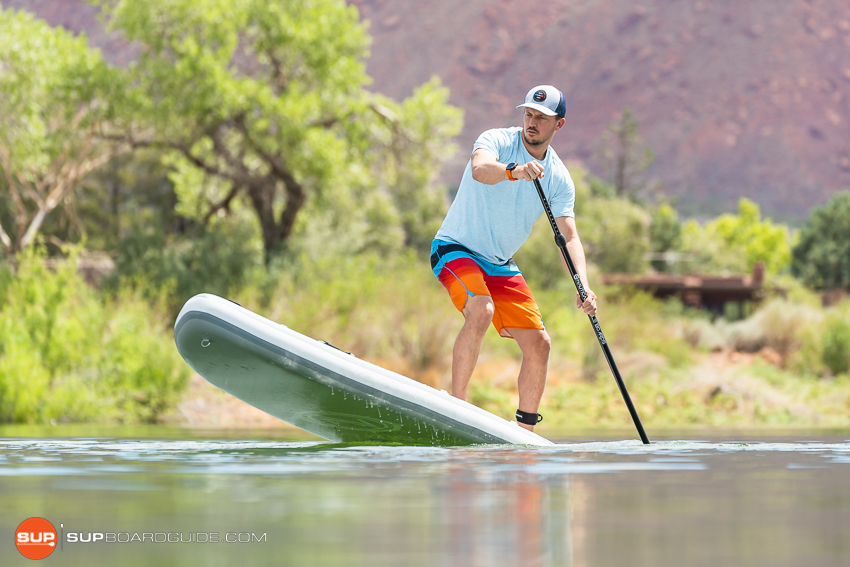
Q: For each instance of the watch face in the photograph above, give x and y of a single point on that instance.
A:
(511, 166)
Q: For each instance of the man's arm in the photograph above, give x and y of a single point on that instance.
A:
(487, 169)
(567, 225)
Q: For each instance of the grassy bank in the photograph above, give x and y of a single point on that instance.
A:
(786, 365)
(71, 353)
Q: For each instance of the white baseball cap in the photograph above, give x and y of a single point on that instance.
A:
(547, 99)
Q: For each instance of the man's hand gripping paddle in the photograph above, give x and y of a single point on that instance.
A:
(561, 241)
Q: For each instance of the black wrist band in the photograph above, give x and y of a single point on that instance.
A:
(528, 418)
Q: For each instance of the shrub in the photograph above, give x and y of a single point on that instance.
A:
(701, 333)
(821, 258)
(783, 324)
(634, 320)
(219, 259)
(836, 342)
(615, 234)
(68, 354)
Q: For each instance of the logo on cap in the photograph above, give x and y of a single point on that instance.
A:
(539, 96)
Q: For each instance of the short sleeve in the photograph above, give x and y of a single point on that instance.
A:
(563, 195)
(496, 140)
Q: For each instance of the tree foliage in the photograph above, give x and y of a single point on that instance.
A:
(759, 240)
(704, 251)
(822, 254)
(734, 243)
(55, 97)
(421, 131)
(266, 101)
(615, 234)
(665, 237)
(624, 156)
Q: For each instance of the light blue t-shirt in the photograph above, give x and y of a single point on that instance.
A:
(495, 220)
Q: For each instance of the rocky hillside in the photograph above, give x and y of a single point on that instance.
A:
(735, 98)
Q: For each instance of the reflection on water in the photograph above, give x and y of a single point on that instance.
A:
(312, 503)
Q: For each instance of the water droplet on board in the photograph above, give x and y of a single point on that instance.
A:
(205, 342)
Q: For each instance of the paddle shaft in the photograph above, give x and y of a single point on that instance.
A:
(561, 241)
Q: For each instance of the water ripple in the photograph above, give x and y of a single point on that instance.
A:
(110, 457)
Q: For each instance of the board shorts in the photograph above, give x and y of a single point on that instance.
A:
(465, 274)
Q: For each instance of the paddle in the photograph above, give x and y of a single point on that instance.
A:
(561, 241)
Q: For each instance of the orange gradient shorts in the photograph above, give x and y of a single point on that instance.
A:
(465, 275)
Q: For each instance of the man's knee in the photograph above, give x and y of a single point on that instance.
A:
(545, 343)
(480, 310)
(540, 344)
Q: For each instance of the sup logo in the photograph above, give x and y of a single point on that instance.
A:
(540, 96)
(35, 538)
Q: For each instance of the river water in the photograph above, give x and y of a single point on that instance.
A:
(711, 499)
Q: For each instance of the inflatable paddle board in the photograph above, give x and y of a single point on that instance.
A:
(324, 390)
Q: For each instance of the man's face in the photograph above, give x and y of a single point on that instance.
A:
(537, 128)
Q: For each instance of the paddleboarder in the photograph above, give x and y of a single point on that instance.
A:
(490, 219)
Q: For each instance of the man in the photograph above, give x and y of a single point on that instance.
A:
(490, 219)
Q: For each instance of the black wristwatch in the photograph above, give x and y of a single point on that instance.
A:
(510, 167)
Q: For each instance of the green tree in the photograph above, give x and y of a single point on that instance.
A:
(624, 156)
(615, 234)
(265, 100)
(421, 128)
(129, 195)
(704, 251)
(55, 102)
(821, 257)
(665, 237)
(759, 240)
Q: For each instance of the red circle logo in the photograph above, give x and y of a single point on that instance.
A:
(35, 538)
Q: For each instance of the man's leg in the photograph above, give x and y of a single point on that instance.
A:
(478, 313)
(535, 345)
